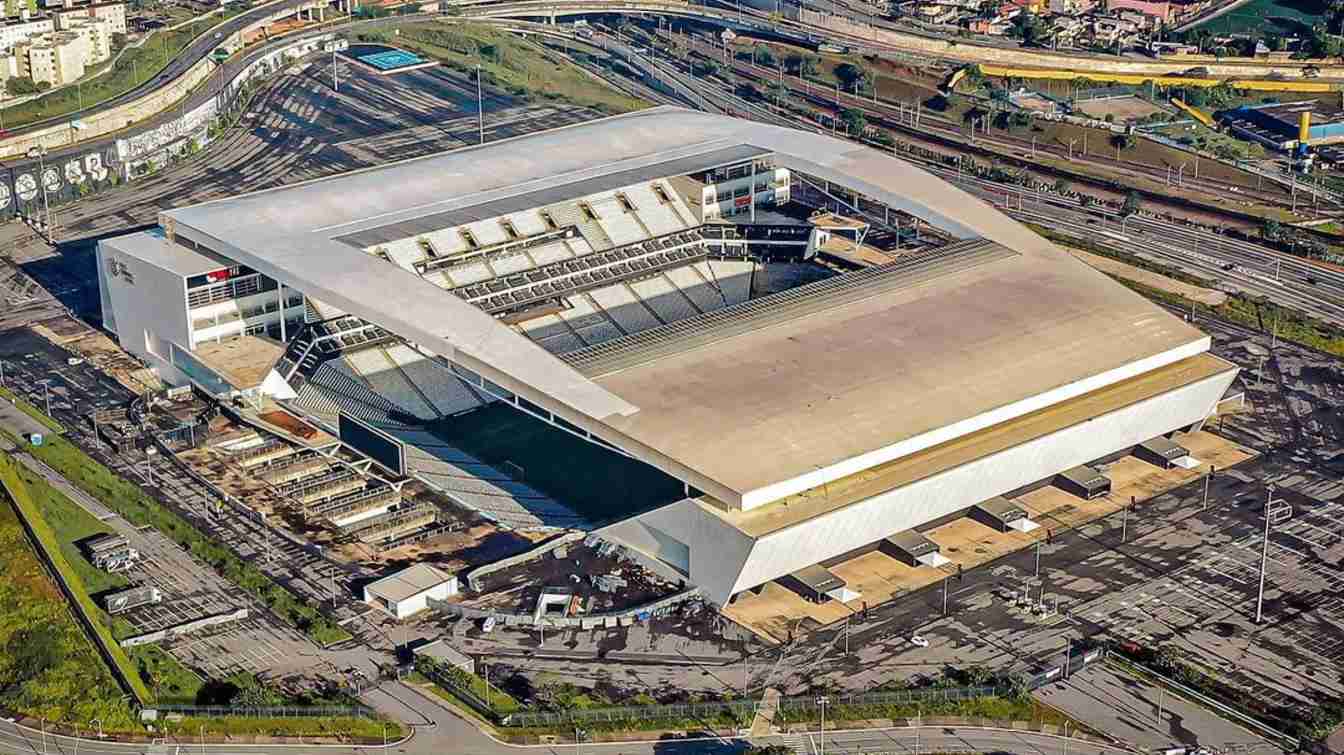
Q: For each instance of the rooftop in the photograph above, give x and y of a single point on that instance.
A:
(754, 414)
(243, 361)
(409, 582)
(153, 247)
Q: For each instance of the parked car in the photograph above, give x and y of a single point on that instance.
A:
(919, 641)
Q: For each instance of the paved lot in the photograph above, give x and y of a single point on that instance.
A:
(1140, 714)
(299, 129)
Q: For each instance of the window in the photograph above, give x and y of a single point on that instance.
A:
(741, 191)
(509, 230)
(625, 203)
(587, 210)
(549, 221)
(659, 192)
(469, 239)
(426, 247)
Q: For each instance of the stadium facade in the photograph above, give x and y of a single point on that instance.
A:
(615, 279)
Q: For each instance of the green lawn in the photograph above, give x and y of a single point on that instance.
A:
(135, 66)
(1265, 16)
(49, 669)
(18, 491)
(166, 677)
(138, 508)
(598, 483)
(509, 62)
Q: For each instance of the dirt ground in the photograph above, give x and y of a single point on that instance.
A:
(1123, 109)
(96, 347)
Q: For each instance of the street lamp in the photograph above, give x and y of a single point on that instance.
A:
(822, 700)
(41, 153)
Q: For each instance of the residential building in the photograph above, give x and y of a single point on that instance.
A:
(54, 59)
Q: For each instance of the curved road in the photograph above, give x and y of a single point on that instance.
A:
(199, 48)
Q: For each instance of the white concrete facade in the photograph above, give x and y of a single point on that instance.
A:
(723, 560)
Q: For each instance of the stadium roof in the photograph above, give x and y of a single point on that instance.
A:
(749, 414)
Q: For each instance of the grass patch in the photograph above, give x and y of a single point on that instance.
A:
(166, 677)
(510, 63)
(141, 510)
(49, 669)
(365, 729)
(609, 484)
(22, 499)
(500, 702)
(134, 67)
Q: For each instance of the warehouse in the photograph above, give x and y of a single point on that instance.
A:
(409, 591)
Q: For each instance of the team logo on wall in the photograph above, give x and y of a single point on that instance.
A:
(5, 196)
(93, 165)
(74, 172)
(51, 179)
(26, 186)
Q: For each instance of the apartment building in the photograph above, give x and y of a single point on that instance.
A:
(55, 58)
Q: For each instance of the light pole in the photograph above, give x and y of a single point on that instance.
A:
(822, 700)
(1207, 477)
(46, 395)
(1264, 559)
(202, 731)
(480, 108)
(98, 721)
(41, 153)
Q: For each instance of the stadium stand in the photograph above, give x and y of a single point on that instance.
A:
(663, 298)
(481, 486)
(624, 308)
(449, 394)
(703, 294)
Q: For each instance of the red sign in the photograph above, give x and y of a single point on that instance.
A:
(742, 201)
(218, 275)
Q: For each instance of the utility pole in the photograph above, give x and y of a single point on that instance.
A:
(480, 107)
(944, 596)
(336, 85)
(1038, 558)
(1207, 477)
(46, 394)
(1264, 559)
(1124, 520)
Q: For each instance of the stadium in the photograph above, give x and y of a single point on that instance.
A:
(679, 330)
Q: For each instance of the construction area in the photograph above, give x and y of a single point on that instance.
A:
(779, 609)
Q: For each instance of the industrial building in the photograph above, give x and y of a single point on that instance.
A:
(1285, 125)
(409, 591)
(619, 283)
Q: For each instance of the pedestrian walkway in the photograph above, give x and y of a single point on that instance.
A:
(764, 723)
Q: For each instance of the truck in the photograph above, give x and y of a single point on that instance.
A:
(120, 602)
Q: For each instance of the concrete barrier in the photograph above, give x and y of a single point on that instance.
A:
(474, 576)
(181, 629)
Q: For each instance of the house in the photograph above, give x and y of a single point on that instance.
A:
(409, 591)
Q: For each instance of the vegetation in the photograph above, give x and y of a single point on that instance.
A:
(140, 509)
(1313, 723)
(48, 668)
(514, 64)
(448, 680)
(134, 66)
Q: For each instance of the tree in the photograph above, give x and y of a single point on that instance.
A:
(762, 55)
(769, 750)
(1167, 658)
(800, 64)
(854, 120)
(18, 85)
(1131, 204)
(1124, 141)
(851, 77)
(1270, 229)
(1061, 186)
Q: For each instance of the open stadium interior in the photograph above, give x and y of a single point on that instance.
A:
(736, 349)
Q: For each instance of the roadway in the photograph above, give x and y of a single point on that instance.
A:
(199, 48)
(446, 733)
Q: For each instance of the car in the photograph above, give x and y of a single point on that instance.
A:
(1311, 280)
(919, 641)
(488, 625)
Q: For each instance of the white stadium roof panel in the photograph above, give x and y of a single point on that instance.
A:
(754, 415)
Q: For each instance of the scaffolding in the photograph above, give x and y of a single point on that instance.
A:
(392, 524)
(299, 469)
(354, 503)
(263, 453)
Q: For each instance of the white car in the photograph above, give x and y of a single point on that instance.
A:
(919, 641)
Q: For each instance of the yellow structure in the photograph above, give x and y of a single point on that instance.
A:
(1259, 85)
(1304, 127)
(1194, 112)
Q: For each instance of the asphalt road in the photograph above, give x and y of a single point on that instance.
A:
(460, 738)
(199, 48)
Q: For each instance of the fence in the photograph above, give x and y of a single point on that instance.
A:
(277, 711)
(462, 692)
(742, 710)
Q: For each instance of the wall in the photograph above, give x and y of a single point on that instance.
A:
(724, 561)
(123, 281)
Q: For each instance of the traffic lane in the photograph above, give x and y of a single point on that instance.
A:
(188, 57)
(1140, 713)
